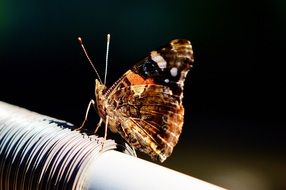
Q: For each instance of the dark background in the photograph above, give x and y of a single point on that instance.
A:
(234, 132)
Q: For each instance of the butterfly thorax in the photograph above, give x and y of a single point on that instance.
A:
(103, 106)
(99, 89)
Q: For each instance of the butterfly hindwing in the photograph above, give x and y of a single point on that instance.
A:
(151, 115)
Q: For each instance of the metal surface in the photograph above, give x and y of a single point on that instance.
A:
(40, 152)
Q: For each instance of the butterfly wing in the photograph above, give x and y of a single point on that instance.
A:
(151, 118)
(145, 104)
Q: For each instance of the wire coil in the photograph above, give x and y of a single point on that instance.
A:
(40, 152)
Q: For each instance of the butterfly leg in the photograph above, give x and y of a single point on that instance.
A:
(91, 102)
(134, 151)
(106, 126)
(105, 132)
(98, 125)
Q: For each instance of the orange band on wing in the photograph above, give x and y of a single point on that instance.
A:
(136, 79)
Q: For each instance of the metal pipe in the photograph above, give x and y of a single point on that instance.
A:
(40, 152)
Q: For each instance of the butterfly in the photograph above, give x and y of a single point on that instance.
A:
(145, 104)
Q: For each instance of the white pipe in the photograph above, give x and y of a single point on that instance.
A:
(37, 152)
(118, 171)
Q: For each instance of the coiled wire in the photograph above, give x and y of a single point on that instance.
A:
(40, 152)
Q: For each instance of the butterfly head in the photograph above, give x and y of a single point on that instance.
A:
(99, 87)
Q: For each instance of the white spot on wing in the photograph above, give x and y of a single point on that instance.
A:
(174, 71)
(155, 56)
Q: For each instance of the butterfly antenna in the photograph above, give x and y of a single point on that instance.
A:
(106, 57)
(89, 60)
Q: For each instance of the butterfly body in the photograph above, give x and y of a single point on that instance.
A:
(145, 105)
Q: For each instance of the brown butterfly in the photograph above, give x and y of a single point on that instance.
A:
(145, 105)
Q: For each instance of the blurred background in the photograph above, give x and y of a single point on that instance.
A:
(234, 132)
